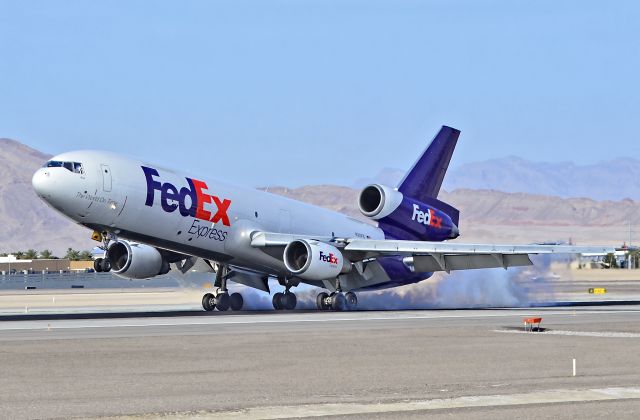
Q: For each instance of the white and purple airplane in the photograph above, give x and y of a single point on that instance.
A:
(148, 217)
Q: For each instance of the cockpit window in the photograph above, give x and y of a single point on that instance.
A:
(75, 167)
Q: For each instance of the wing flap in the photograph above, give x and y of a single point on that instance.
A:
(442, 262)
(396, 247)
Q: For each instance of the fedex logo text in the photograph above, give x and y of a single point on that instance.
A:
(330, 258)
(427, 218)
(172, 198)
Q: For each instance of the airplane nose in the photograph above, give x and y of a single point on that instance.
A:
(42, 182)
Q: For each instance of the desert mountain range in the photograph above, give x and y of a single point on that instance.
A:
(486, 215)
(614, 179)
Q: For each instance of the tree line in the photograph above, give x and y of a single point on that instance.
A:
(45, 254)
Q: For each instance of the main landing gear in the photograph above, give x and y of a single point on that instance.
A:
(222, 300)
(337, 301)
(286, 300)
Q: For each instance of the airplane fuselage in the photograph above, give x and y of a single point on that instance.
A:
(182, 213)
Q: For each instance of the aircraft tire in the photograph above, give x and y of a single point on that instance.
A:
(320, 300)
(236, 301)
(208, 302)
(352, 300)
(97, 265)
(289, 301)
(105, 265)
(277, 301)
(339, 302)
(222, 301)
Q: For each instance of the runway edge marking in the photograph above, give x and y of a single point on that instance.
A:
(554, 396)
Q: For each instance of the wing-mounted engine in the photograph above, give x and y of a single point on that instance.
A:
(136, 261)
(402, 217)
(314, 260)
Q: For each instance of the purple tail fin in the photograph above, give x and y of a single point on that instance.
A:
(424, 179)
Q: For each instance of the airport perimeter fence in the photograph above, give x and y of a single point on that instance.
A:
(77, 279)
(46, 280)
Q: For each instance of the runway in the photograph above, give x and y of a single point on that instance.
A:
(410, 364)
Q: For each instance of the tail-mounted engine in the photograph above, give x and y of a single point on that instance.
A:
(402, 217)
(136, 261)
(377, 201)
(312, 260)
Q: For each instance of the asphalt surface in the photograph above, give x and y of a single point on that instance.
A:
(412, 364)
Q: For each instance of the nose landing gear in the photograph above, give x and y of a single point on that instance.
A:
(101, 265)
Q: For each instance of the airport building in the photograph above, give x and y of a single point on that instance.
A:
(11, 265)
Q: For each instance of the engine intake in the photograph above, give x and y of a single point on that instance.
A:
(311, 260)
(136, 261)
(377, 201)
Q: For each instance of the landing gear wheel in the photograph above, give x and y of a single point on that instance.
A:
(338, 302)
(277, 301)
(236, 301)
(105, 265)
(288, 301)
(320, 301)
(223, 301)
(97, 265)
(208, 302)
(352, 300)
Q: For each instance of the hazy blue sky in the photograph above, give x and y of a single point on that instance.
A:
(297, 92)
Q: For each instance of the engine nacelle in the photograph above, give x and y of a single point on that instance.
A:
(312, 260)
(377, 201)
(136, 261)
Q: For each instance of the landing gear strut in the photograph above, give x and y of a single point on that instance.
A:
(286, 300)
(222, 300)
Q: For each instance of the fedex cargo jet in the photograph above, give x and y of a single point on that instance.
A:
(148, 217)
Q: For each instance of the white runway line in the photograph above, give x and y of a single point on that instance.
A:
(343, 409)
(279, 319)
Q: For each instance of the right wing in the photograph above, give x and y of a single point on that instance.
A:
(447, 256)
(429, 256)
